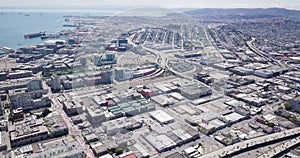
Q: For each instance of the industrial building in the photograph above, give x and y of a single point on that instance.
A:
(131, 108)
(295, 104)
(102, 148)
(3, 140)
(121, 125)
(28, 131)
(161, 116)
(72, 108)
(65, 147)
(208, 127)
(96, 116)
(160, 142)
(195, 91)
(20, 74)
(20, 98)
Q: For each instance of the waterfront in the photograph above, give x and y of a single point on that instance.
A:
(16, 24)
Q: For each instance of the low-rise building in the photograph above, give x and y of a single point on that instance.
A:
(121, 125)
(95, 116)
(22, 98)
(27, 131)
(295, 104)
(102, 148)
(232, 118)
(72, 108)
(66, 147)
(160, 142)
(17, 114)
(195, 92)
(203, 77)
(3, 76)
(223, 66)
(161, 116)
(242, 71)
(56, 125)
(32, 130)
(19, 74)
(3, 137)
(208, 127)
(131, 108)
(90, 137)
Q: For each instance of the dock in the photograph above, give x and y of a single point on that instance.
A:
(7, 50)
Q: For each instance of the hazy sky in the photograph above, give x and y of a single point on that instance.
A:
(86, 4)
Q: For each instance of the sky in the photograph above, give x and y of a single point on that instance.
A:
(94, 4)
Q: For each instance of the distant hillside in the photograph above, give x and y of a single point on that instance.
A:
(244, 11)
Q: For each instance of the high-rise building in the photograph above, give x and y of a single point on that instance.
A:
(107, 77)
(83, 61)
(108, 59)
(34, 85)
(20, 98)
(3, 76)
(123, 74)
(1, 108)
(55, 83)
(95, 116)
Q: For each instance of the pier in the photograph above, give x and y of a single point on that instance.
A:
(7, 50)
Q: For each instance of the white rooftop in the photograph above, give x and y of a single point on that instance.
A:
(269, 117)
(161, 116)
(233, 117)
(106, 156)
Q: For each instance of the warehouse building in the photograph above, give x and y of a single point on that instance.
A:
(161, 116)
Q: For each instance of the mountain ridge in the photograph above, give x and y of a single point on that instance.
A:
(243, 11)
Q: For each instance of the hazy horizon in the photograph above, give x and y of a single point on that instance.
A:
(128, 4)
(111, 10)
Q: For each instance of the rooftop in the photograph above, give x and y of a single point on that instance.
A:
(161, 116)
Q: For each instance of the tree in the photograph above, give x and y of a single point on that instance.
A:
(6, 105)
(10, 116)
(270, 124)
(280, 108)
(62, 88)
(46, 112)
(288, 105)
(292, 118)
(118, 151)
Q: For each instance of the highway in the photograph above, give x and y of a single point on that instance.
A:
(234, 149)
(162, 61)
(261, 53)
(281, 148)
